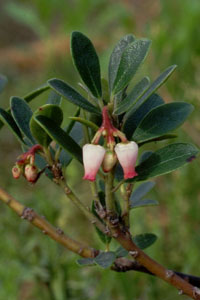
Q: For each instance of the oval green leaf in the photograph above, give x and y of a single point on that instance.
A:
(145, 240)
(116, 57)
(51, 111)
(105, 259)
(54, 98)
(161, 120)
(66, 91)
(22, 114)
(60, 136)
(141, 191)
(154, 86)
(166, 160)
(86, 61)
(137, 91)
(131, 59)
(133, 118)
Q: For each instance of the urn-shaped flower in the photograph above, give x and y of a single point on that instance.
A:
(92, 159)
(31, 173)
(127, 155)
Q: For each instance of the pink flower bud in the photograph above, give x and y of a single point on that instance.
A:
(127, 155)
(109, 161)
(92, 158)
(16, 171)
(31, 173)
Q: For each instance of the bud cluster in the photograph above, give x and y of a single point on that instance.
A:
(25, 165)
(95, 155)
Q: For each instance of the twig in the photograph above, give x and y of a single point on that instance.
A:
(124, 265)
(124, 238)
(56, 234)
(71, 195)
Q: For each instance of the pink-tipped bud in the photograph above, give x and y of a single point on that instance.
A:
(109, 161)
(127, 155)
(92, 159)
(16, 171)
(31, 173)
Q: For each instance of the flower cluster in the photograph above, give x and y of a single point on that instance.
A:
(95, 155)
(25, 165)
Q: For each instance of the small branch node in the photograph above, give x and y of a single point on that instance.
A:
(115, 235)
(8, 201)
(93, 221)
(80, 251)
(28, 214)
(134, 253)
(67, 191)
(59, 231)
(169, 274)
(180, 292)
(107, 230)
(44, 231)
(196, 292)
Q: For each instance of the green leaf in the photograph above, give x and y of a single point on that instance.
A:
(36, 92)
(158, 139)
(8, 120)
(31, 96)
(143, 203)
(66, 91)
(22, 114)
(86, 61)
(54, 98)
(64, 158)
(116, 57)
(51, 111)
(137, 91)
(141, 191)
(60, 136)
(133, 118)
(144, 240)
(85, 122)
(155, 85)
(145, 155)
(86, 261)
(131, 59)
(105, 259)
(121, 252)
(166, 160)
(161, 120)
(3, 82)
(136, 197)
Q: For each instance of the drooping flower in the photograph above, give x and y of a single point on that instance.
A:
(109, 161)
(31, 173)
(127, 155)
(93, 156)
(16, 171)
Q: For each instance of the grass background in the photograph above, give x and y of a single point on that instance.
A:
(34, 46)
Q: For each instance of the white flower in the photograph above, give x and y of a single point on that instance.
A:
(93, 156)
(127, 155)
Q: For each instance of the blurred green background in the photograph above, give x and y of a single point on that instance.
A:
(34, 46)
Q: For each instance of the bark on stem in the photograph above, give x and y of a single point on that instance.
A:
(152, 266)
(39, 222)
(123, 265)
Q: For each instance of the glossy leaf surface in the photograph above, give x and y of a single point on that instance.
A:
(86, 61)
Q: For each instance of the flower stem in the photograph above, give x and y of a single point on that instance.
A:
(71, 195)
